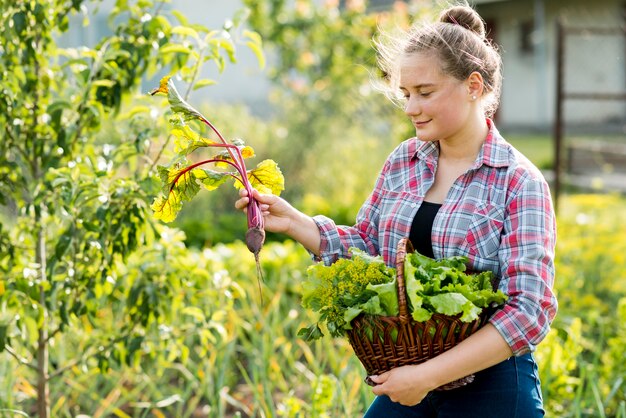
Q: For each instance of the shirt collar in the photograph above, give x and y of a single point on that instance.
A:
(494, 152)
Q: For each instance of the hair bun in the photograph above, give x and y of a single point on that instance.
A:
(464, 16)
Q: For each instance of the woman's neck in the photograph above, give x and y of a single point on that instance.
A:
(466, 145)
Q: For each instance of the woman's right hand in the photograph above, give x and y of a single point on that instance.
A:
(279, 216)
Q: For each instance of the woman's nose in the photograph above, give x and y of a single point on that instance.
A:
(412, 107)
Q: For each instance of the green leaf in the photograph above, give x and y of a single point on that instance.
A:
(351, 313)
(388, 295)
(256, 49)
(195, 312)
(421, 314)
(310, 333)
(177, 104)
(30, 329)
(63, 243)
(182, 19)
(3, 336)
(448, 303)
(103, 83)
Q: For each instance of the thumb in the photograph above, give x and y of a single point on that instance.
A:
(379, 379)
(264, 198)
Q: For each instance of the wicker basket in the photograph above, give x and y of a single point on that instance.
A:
(415, 342)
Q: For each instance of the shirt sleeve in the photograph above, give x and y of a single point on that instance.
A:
(527, 265)
(337, 239)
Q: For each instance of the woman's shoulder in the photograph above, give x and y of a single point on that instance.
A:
(515, 161)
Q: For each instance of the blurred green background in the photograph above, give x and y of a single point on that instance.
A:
(150, 320)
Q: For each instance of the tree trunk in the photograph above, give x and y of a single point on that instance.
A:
(43, 390)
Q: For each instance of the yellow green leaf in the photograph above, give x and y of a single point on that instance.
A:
(186, 139)
(203, 83)
(174, 48)
(211, 179)
(185, 31)
(180, 186)
(256, 49)
(266, 178)
(255, 43)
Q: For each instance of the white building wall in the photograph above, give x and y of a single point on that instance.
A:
(593, 63)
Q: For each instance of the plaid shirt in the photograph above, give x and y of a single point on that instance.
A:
(499, 214)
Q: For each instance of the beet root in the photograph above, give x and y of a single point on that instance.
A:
(255, 238)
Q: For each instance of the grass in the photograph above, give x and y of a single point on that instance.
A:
(537, 148)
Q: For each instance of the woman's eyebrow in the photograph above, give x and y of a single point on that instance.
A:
(419, 86)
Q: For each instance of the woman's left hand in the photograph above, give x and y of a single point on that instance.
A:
(403, 385)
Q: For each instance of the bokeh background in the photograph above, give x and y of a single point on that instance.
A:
(105, 312)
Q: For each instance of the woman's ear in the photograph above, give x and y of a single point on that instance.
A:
(475, 85)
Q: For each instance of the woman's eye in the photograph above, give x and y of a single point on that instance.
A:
(426, 94)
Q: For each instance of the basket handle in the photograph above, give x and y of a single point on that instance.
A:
(404, 247)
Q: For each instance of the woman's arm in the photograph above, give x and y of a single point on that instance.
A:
(408, 385)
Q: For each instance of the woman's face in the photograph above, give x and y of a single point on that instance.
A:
(438, 105)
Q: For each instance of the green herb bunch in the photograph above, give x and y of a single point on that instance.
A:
(364, 284)
(346, 288)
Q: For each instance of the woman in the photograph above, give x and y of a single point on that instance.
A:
(457, 188)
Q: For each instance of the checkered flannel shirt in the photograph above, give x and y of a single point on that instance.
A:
(499, 214)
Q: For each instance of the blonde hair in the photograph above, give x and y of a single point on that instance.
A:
(459, 41)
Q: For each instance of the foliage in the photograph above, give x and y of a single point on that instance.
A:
(324, 73)
(347, 287)
(181, 179)
(76, 211)
(364, 284)
(233, 355)
(443, 286)
(135, 323)
(329, 129)
(581, 365)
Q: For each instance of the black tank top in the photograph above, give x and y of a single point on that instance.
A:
(422, 227)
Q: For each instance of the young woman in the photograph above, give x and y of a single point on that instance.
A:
(457, 188)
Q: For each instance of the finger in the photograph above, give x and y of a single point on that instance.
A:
(378, 379)
(242, 203)
(379, 390)
(262, 197)
(243, 192)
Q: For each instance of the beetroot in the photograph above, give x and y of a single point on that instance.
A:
(180, 179)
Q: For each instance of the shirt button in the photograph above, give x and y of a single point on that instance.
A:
(413, 205)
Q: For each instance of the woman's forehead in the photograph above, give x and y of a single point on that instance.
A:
(420, 68)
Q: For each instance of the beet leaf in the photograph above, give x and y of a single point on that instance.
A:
(182, 179)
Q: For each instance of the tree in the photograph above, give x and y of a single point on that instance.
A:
(77, 166)
(325, 73)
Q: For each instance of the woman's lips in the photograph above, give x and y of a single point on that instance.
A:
(419, 124)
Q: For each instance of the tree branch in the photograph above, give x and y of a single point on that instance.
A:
(22, 360)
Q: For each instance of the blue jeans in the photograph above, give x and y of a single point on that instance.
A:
(510, 389)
